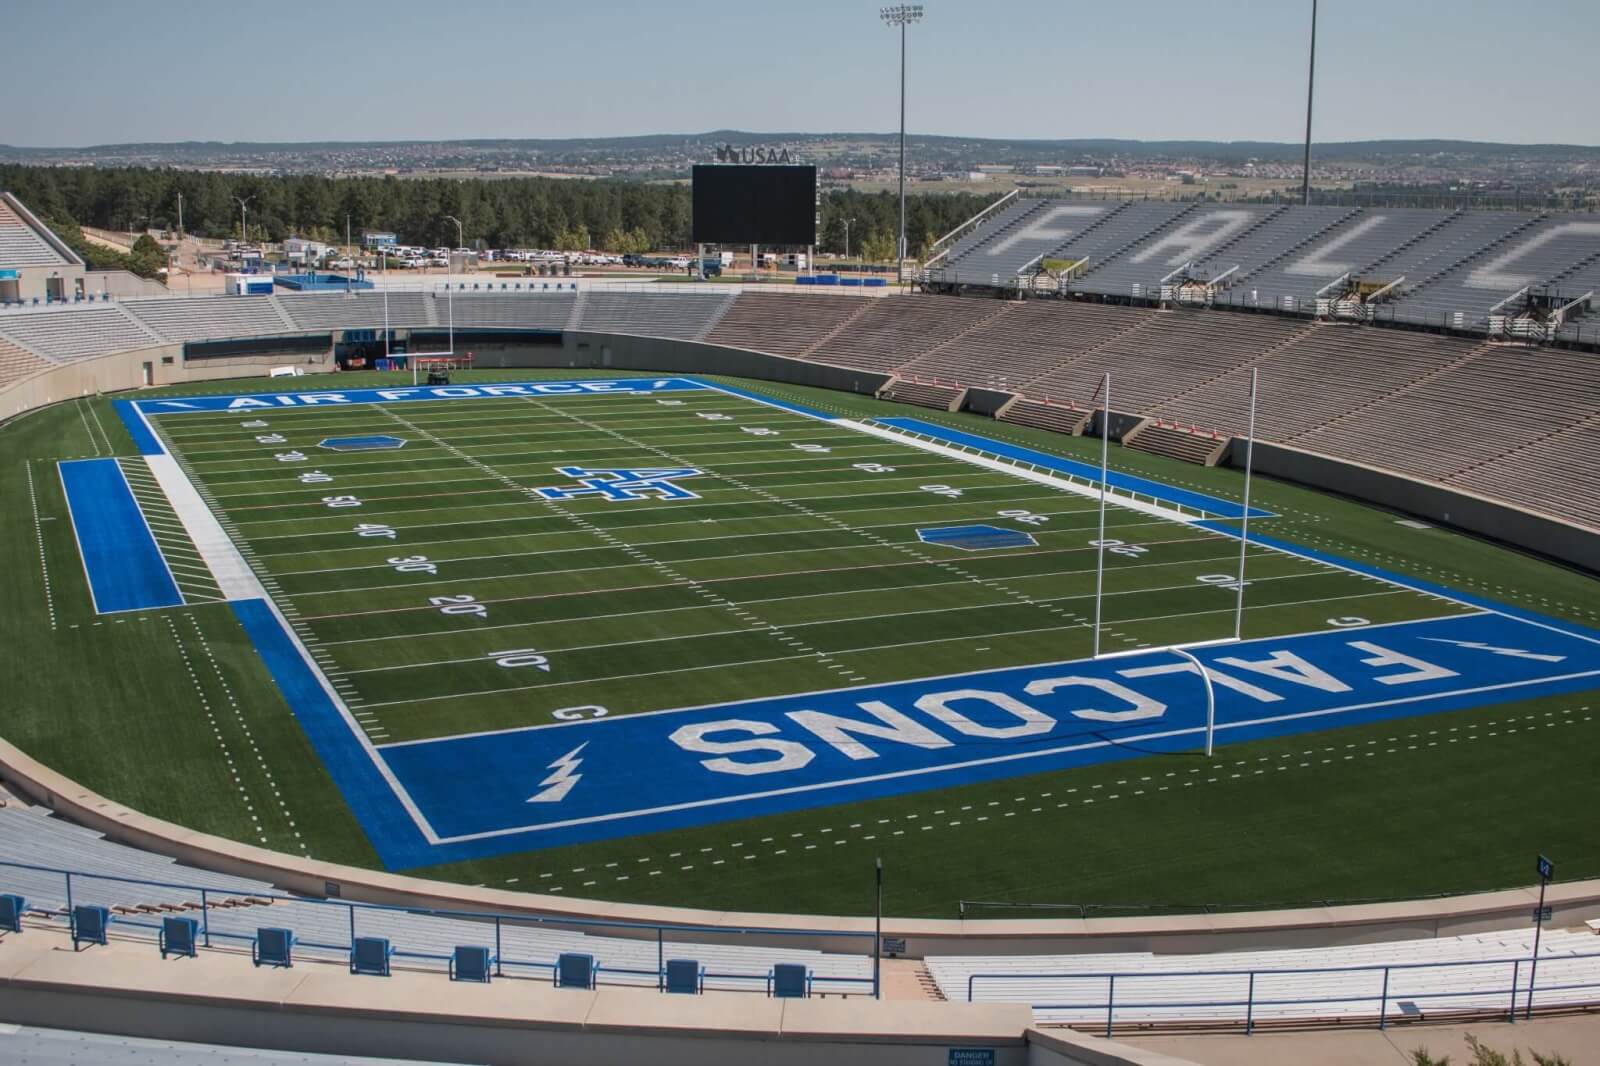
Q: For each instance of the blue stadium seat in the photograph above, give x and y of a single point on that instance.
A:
(89, 924)
(789, 980)
(574, 970)
(470, 964)
(370, 955)
(272, 947)
(11, 908)
(177, 936)
(684, 977)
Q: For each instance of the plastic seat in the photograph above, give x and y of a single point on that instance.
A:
(789, 980)
(575, 970)
(684, 977)
(371, 955)
(470, 964)
(89, 924)
(272, 947)
(11, 908)
(177, 937)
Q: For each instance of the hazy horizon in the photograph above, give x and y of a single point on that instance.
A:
(1425, 70)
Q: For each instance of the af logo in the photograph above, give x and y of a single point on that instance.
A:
(616, 485)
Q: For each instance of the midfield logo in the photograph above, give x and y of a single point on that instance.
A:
(616, 485)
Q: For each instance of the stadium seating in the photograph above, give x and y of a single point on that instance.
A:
(891, 332)
(471, 963)
(17, 363)
(507, 311)
(1211, 229)
(686, 316)
(1429, 977)
(76, 332)
(1068, 420)
(1177, 442)
(784, 324)
(1023, 342)
(934, 397)
(361, 310)
(210, 317)
(20, 245)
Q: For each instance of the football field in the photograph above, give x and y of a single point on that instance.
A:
(553, 612)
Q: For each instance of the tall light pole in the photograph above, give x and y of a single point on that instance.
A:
(902, 15)
(244, 224)
(1311, 79)
(461, 242)
(847, 238)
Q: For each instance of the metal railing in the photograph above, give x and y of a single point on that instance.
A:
(492, 923)
(1518, 996)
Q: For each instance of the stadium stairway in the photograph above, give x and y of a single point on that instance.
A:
(1189, 444)
(934, 397)
(1057, 419)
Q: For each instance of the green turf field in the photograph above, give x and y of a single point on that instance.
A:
(794, 570)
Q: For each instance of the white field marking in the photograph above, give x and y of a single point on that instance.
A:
(238, 714)
(38, 533)
(446, 579)
(878, 647)
(94, 442)
(603, 547)
(851, 619)
(691, 506)
(1055, 481)
(228, 568)
(1013, 758)
(211, 720)
(110, 449)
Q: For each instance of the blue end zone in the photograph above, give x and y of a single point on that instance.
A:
(976, 538)
(120, 559)
(1128, 482)
(366, 791)
(259, 403)
(137, 428)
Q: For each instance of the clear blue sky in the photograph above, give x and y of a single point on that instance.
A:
(1153, 69)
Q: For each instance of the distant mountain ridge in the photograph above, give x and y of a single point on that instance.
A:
(1002, 149)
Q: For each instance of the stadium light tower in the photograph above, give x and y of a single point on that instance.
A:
(1311, 79)
(902, 15)
(244, 225)
(461, 241)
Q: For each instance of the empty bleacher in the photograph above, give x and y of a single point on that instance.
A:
(1455, 283)
(1206, 230)
(1191, 445)
(1433, 978)
(21, 245)
(686, 316)
(1282, 234)
(75, 332)
(891, 332)
(783, 324)
(17, 363)
(1025, 341)
(1020, 238)
(506, 310)
(1352, 247)
(209, 317)
(1555, 474)
(361, 310)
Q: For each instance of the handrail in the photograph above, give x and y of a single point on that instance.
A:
(1251, 1001)
(973, 221)
(500, 920)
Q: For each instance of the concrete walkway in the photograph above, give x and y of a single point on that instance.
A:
(1576, 1037)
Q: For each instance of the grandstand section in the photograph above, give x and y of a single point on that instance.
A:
(214, 317)
(77, 332)
(516, 311)
(24, 245)
(894, 332)
(685, 316)
(17, 363)
(783, 324)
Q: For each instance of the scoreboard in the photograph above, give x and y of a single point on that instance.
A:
(769, 205)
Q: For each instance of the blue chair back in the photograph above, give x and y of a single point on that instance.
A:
(683, 976)
(272, 947)
(177, 936)
(574, 970)
(789, 981)
(89, 924)
(370, 954)
(11, 908)
(470, 964)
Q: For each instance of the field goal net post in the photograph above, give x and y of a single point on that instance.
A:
(435, 363)
(416, 358)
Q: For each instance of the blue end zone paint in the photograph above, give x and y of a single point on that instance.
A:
(259, 403)
(361, 444)
(366, 791)
(137, 428)
(1196, 500)
(124, 567)
(976, 538)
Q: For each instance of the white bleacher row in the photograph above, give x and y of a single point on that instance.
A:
(1453, 262)
(22, 246)
(239, 906)
(1322, 983)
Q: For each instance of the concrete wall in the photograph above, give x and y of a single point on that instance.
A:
(1562, 541)
(985, 401)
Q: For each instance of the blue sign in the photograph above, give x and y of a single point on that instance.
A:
(971, 1056)
(260, 402)
(8, 275)
(1547, 869)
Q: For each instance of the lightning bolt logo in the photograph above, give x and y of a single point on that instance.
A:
(1510, 653)
(561, 781)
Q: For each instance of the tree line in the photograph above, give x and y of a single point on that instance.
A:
(572, 214)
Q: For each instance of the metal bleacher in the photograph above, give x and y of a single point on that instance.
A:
(21, 245)
(324, 311)
(1478, 974)
(686, 316)
(508, 311)
(36, 848)
(210, 317)
(76, 332)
